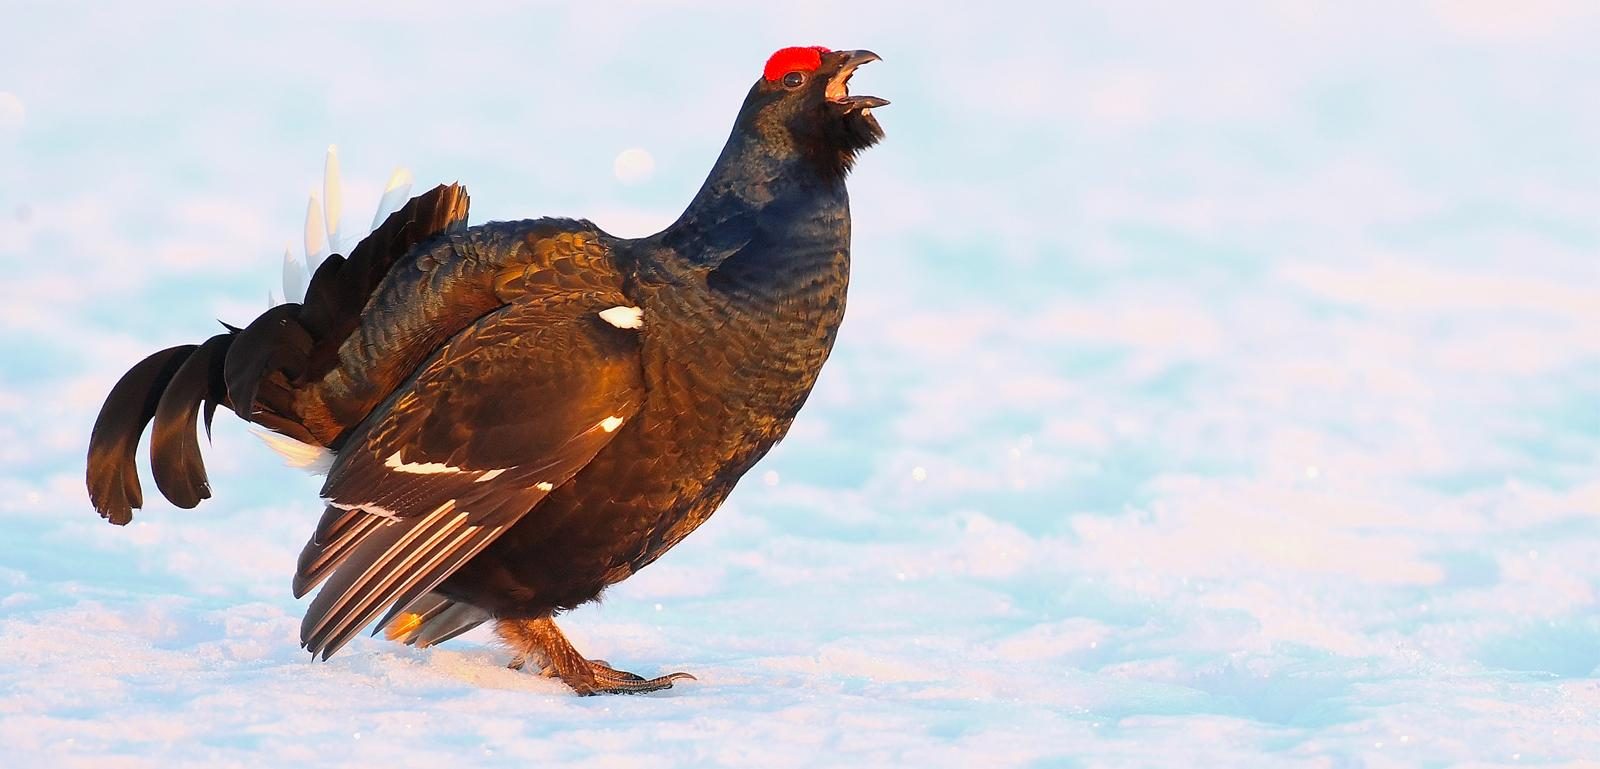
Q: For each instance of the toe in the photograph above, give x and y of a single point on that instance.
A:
(633, 684)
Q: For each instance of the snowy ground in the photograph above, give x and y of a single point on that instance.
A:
(1218, 390)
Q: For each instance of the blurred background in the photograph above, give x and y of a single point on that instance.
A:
(1221, 385)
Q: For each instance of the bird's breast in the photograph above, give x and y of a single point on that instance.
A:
(730, 359)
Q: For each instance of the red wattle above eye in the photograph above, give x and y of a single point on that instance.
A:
(798, 59)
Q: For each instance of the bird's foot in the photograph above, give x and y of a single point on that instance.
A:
(541, 641)
(604, 679)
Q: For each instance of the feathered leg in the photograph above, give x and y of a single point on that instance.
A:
(540, 642)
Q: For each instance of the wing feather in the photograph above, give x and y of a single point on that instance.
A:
(397, 557)
(337, 535)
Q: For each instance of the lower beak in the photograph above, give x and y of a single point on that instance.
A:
(862, 102)
(838, 88)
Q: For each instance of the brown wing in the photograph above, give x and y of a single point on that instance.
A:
(505, 412)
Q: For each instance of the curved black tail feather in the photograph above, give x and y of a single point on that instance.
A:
(174, 441)
(113, 477)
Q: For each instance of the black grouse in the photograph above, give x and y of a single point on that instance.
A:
(519, 414)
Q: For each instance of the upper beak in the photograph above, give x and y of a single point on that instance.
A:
(855, 59)
(838, 88)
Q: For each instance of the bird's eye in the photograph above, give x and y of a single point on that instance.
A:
(794, 79)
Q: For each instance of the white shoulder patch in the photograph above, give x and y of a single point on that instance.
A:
(544, 485)
(312, 459)
(623, 317)
(610, 424)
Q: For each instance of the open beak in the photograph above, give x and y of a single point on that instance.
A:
(838, 90)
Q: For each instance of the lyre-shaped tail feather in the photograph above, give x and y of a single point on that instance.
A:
(175, 459)
(260, 371)
(112, 475)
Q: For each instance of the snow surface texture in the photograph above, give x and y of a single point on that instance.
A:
(1219, 388)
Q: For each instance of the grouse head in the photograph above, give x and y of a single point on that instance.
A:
(802, 104)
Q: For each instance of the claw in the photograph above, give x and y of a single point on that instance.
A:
(622, 682)
(540, 641)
